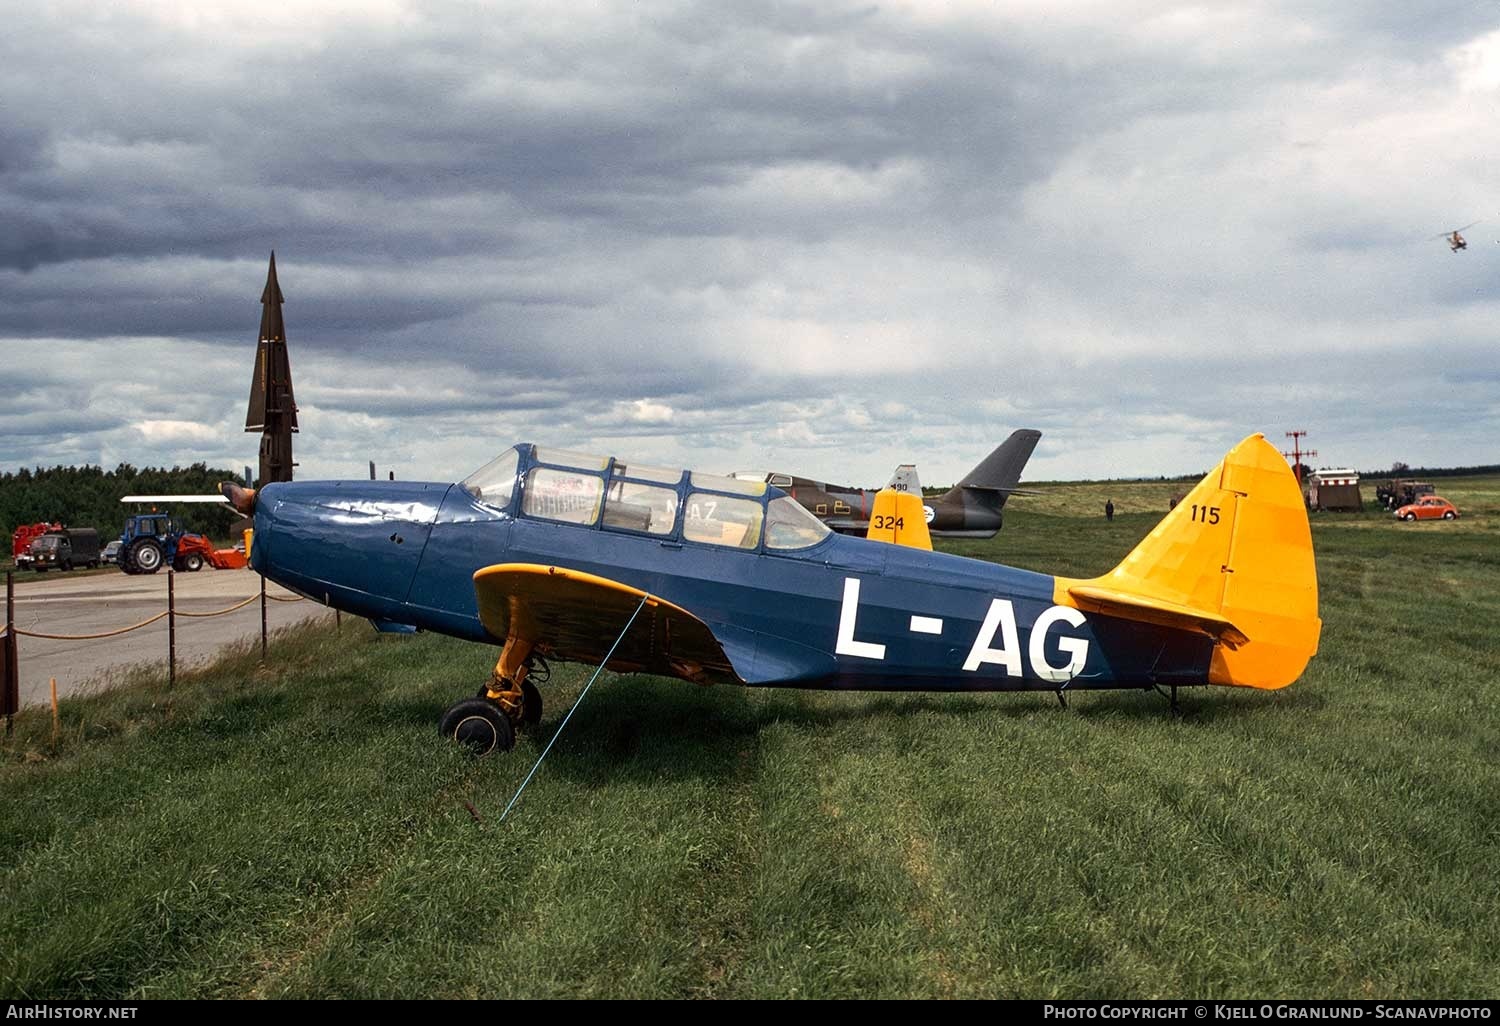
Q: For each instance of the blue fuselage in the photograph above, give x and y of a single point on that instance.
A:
(406, 553)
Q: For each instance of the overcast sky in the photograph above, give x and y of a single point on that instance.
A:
(822, 238)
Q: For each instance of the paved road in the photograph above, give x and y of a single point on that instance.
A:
(60, 603)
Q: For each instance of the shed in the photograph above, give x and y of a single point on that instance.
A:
(1334, 488)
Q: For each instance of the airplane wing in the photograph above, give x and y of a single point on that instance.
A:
(575, 616)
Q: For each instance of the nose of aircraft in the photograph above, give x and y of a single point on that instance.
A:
(353, 544)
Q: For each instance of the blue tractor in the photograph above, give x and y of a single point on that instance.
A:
(153, 539)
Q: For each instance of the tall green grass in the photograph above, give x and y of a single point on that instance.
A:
(300, 830)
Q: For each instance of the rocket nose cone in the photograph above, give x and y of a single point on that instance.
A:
(242, 499)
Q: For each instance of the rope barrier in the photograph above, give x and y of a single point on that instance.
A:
(221, 612)
(90, 637)
(146, 623)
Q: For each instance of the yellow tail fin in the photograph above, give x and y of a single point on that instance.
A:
(1233, 559)
(898, 518)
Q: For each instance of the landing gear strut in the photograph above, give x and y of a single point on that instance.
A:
(507, 702)
(1172, 698)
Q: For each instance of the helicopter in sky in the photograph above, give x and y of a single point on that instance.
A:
(1455, 238)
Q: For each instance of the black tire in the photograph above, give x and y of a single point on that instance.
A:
(531, 704)
(1409, 517)
(146, 556)
(192, 562)
(479, 725)
(67, 564)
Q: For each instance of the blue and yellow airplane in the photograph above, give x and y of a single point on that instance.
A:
(550, 554)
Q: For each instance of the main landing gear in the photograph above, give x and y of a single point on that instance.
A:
(508, 702)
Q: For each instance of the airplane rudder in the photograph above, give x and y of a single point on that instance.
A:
(899, 519)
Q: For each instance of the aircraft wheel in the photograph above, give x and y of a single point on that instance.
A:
(479, 725)
(531, 704)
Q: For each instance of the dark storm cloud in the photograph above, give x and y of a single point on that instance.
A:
(766, 226)
(356, 145)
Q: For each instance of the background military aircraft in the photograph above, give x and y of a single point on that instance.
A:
(970, 509)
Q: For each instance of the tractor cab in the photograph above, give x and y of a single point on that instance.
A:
(153, 525)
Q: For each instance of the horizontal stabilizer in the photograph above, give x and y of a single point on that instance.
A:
(1113, 602)
(1002, 491)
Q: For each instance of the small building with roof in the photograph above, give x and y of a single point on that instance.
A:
(1334, 488)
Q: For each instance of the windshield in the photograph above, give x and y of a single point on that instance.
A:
(494, 483)
(790, 525)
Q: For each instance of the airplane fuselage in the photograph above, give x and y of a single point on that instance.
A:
(847, 510)
(840, 613)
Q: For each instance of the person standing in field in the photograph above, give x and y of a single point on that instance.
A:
(1109, 509)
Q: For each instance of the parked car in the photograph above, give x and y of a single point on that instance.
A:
(1428, 507)
(111, 553)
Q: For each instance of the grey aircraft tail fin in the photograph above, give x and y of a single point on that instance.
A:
(905, 480)
(1000, 471)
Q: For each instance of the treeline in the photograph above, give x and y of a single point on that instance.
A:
(1417, 473)
(90, 497)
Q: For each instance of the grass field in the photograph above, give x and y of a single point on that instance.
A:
(300, 829)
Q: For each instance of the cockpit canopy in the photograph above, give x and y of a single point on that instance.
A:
(592, 491)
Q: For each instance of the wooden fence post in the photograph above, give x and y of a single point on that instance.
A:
(171, 630)
(262, 618)
(10, 670)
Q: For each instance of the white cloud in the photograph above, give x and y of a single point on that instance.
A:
(178, 431)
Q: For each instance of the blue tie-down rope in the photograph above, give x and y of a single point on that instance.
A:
(576, 704)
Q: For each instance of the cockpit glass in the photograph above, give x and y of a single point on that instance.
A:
(640, 507)
(659, 474)
(494, 483)
(564, 495)
(733, 486)
(568, 458)
(789, 525)
(720, 520)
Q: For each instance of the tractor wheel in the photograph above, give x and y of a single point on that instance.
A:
(192, 563)
(146, 555)
(479, 725)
